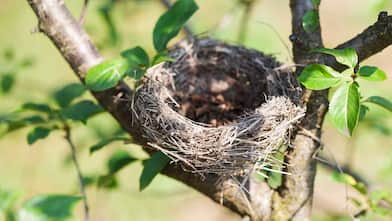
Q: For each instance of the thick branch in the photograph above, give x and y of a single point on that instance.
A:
(303, 41)
(75, 46)
(293, 201)
(296, 193)
(373, 39)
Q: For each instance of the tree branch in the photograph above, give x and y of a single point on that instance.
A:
(77, 49)
(83, 13)
(293, 200)
(335, 167)
(373, 39)
(75, 161)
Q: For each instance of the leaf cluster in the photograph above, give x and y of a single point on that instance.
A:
(346, 106)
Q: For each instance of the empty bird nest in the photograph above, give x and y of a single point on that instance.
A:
(218, 108)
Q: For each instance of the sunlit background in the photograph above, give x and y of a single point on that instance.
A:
(45, 166)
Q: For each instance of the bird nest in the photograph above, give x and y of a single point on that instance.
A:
(218, 108)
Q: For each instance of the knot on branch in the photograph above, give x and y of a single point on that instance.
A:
(383, 17)
(384, 24)
(218, 108)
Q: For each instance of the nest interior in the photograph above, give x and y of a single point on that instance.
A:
(215, 83)
(218, 108)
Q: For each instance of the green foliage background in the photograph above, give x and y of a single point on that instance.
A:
(45, 167)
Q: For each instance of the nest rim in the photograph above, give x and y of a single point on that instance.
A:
(164, 126)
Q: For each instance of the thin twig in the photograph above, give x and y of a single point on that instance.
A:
(83, 14)
(282, 41)
(245, 20)
(78, 170)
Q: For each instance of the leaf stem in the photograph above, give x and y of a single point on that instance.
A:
(82, 188)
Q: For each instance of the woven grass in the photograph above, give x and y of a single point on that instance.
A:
(218, 108)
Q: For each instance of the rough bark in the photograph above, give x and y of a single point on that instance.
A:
(293, 200)
(290, 202)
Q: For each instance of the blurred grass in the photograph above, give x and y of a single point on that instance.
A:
(41, 168)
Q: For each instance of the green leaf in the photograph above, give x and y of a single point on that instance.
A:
(346, 56)
(381, 101)
(89, 180)
(7, 82)
(105, 142)
(356, 202)
(161, 57)
(106, 75)
(275, 177)
(138, 61)
(107, 181)
(319, 77)
(9, 54)
(15, 123)
(48, 208)
(26, 62)
(379, 126)
(38, 107)
(136, 56)
(37, 133)
(310, 21)
(67, 94)
(344, 178)
(371, 73)
(151, 168)
(136, 73)
(362, 111)
(81, 111)
(316, 3)
(378, 195)
(361, 188)
(7, 200)
(381, 210)
(171, 22)
(344, 108)
(119, 160)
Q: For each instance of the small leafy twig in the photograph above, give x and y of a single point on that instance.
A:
(345, 104)
(67, 137)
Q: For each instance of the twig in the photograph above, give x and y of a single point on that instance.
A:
(245, 20)
(83, 14)
(78, 170)
(332, 166)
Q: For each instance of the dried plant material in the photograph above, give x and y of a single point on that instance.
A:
(218, 109)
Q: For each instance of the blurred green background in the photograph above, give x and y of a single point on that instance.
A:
(43, 167)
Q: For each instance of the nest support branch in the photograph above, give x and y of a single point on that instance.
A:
(73, 43)
(218, 109)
